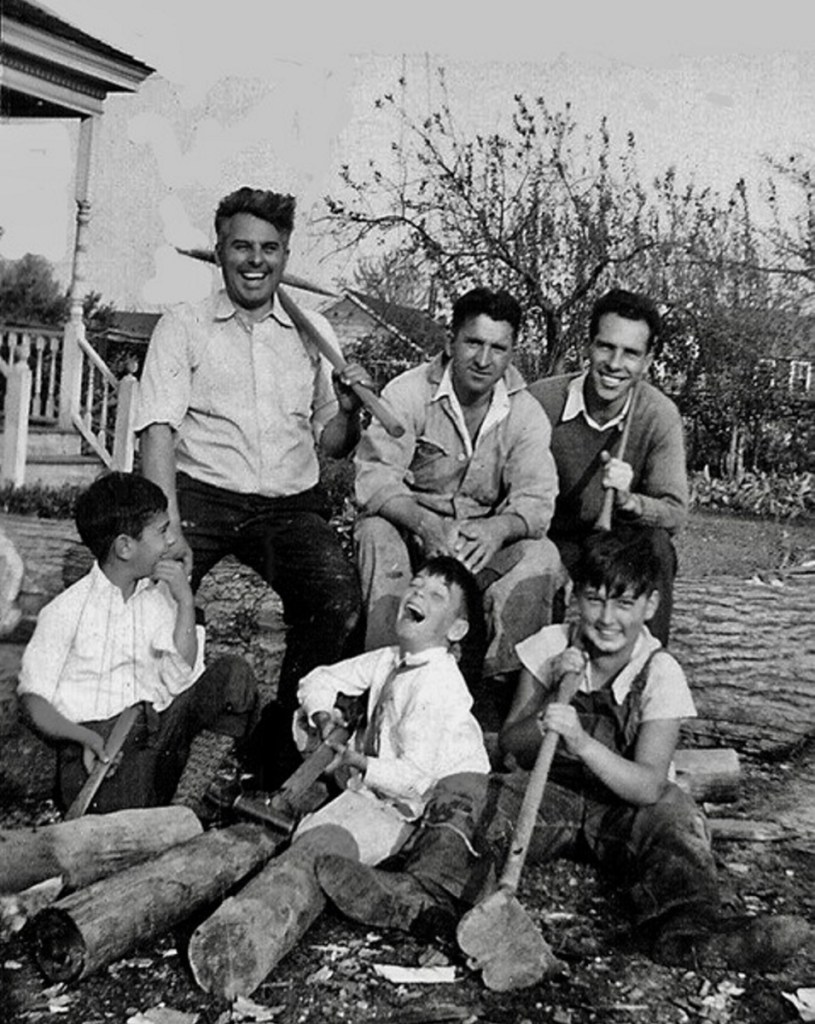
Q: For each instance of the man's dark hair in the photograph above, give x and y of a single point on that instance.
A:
(625, 557)
(455, 573)
(117, 503)
(496, 305)
(632, 306)
(274, 207)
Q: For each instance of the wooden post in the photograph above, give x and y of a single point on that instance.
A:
(249, 934)
(15, 431)
(101, 923)
(90, 848)
(123, 442)
(71, 377)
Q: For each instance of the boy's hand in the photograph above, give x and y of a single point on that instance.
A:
(564, 720)
(570, 660)
(93, 750)
(347, 763)
(174, 574)
(324, 722)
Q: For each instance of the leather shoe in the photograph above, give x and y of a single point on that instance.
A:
(760, 943)
(383, 899)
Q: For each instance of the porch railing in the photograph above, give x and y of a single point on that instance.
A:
(34, 365)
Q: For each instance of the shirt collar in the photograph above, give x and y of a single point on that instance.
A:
(497, 411)
(645, 645)
(225, 309)
(576, 405)
(415, 659)
(102, 582)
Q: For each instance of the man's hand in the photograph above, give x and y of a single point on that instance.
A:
(619, 475)
(436, 534)
(353, 373)
(174, 574)
(93, 750)
(477, 540)
(564, 720)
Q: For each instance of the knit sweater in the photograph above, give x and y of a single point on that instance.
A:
(655, 451)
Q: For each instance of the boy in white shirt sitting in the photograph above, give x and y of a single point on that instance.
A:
(125, 635)
(419, 723)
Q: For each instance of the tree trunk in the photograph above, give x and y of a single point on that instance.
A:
(101, 923)
(90, 848)
(748, 649)
(249, 934)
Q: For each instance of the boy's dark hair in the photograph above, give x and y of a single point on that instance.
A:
(498, 305)
(453, 572)
(631, 306)
(275, 208)
(623, 558)
(114, 504)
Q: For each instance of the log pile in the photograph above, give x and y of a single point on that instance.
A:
(748, 648)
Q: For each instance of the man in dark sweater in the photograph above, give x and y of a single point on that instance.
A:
(587, 412)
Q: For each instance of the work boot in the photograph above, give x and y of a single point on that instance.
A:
(743, 944)
(385, 899)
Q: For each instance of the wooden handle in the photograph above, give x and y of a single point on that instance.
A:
(365, 395)
(511, 875)
(304, 777)
(115, 741)
(603, 521)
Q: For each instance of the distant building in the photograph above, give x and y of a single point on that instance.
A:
(385, 336)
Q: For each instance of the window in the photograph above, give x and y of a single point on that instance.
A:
(765, 373)
(800, 376)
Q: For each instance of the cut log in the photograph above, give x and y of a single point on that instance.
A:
(748, 649)
(92, 927)
(249, 934)
(742, 830)
(710, 775)
(87, 849)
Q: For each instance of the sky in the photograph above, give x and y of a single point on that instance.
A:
(282, 97)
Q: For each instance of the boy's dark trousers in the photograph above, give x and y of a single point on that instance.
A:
(224, 698)
(661, 852)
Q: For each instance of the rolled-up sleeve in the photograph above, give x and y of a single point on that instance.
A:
(382, 461)
(166, 379)
(529, 470)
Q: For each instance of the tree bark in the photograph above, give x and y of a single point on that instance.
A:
(249, 934)
(101, 923)
(748, 649)
(90, 848)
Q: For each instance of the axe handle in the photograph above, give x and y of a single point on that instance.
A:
(511, 875)
(371, 401)
(313, 767)
(115, 741)
(603, 521)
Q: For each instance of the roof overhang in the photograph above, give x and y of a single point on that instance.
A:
(51, 69)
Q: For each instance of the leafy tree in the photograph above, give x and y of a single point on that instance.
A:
(557, 215)
(546, 212)
(29, 293)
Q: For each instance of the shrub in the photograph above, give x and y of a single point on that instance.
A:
(39, 500)
(768, 495)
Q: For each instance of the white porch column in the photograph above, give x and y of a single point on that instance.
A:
(71, 382)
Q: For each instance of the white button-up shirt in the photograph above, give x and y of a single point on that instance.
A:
(93, 654)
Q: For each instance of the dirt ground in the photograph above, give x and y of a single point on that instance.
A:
(330, 977)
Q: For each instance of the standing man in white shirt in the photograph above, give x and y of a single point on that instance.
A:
(235, 406)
